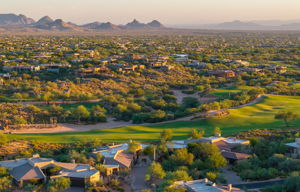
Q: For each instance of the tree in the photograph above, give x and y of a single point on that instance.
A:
(286, 116)
(81, 112)
(59, 184)
(292, 184)
(208, 153)
(182, 157)
(134, 147)
(155, 172)
(101, 168)
(217, 131)
(179, 175)
(3, 139)
(166, 136)
(98, 114)
(197, 134)
(5, 183)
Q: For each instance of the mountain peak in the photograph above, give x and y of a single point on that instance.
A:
(155, 23)
(13, 19)
(44, 20)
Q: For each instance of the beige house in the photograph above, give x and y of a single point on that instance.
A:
(117, 157)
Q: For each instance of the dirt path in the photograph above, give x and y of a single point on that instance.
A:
(231, 176)
(180, 95)
(116, 124)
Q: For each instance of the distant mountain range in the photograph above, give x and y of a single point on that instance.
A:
(13, 22)
(252, 25)
(23, 23)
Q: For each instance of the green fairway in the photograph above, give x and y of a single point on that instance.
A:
(258, 116)
(225, 93)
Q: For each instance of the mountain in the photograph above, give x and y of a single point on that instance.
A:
(44, 20)
(108, 26)
(101, 26)
(58, 25)
(93, 25)
(156, 24)
(135, 24)
(238, 25)
(291, 26)
(13, 19)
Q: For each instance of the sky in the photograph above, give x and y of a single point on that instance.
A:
(169, 12)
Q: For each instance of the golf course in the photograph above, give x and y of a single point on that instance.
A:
(257, 116)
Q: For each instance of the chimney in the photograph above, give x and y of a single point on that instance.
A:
(205, 180)
(229, 187)
(73, 161)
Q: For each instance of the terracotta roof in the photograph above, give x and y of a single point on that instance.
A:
(234, 156)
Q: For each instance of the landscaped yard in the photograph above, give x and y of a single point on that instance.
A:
(258, 116)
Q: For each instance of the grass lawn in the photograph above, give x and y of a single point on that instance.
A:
(258, 116)
(224, 93)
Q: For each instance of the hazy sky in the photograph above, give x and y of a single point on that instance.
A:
(168, 11)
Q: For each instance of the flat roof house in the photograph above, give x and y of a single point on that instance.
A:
(205, 185)
(295, 148)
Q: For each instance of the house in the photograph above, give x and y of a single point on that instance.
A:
(197, 65)
(91, 70)
(21, 68)
(205, 185)
(277, 69)
(223, 73)
(180, 58)
(226, 146)
(294, 148)
(117, 157)
(54, 67)
(35, 169)
(240, 63)
(233, 157)
(5, 75)
(125, 68)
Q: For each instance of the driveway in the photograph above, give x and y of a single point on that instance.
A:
(138, 182)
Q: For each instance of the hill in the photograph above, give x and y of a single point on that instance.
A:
(58, 25)
(101, 26)
(44, 20)
(13, 19)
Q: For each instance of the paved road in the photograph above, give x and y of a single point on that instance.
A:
(138, 178)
